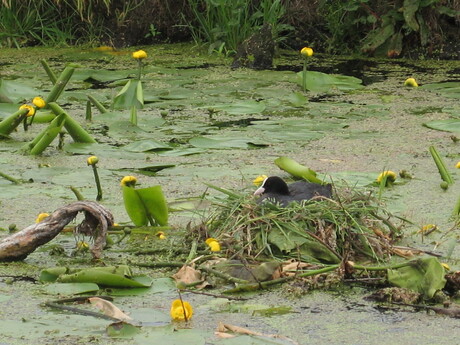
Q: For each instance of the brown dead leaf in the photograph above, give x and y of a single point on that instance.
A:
(405, 253)
(109, 309)
(224, 335)
(187, 275)
(291, 266)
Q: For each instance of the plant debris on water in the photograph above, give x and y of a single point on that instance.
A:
(352, 225)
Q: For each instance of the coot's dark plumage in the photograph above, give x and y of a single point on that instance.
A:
(275, 189)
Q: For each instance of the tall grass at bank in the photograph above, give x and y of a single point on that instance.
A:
(32, 22)
(59, 22)
(225, 24)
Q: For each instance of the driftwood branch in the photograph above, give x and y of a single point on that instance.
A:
(97, 220)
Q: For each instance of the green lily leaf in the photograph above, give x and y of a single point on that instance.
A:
(103, 278)
(122, 330)
(322, 82)
(240, 108)
(130, 96)
(298, 99)
(224, 143)
(140, 204)
(155, 203)
(297, 170)
(114, 276)
(147, 145)
(308, 247)
(66, 289)
(134, 206)
(425, 276)
(15, 92)
(449, 125)
(449, 89)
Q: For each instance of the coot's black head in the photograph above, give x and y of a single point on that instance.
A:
(273, 185)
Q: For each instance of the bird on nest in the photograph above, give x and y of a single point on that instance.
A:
(274, 189)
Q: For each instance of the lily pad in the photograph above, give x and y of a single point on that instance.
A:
(67, 289)
(322, 82)
(449, 125)
(425, 276)
(450, 89)
(14, 91)
(240, 108)
(147, 145)
(224, 143)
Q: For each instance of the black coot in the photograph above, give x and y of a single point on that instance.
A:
(276, 190)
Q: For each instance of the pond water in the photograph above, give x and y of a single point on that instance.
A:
(205, 123)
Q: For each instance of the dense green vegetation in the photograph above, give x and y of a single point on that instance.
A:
(390, 28)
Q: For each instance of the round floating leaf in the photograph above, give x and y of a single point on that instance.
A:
(240, 108)
(425, 276)
(322, 82)
(450, 125)
(146, 145)
(224, 143)
(449, 89)
(122, 330)
(67, 289)
(16, 91)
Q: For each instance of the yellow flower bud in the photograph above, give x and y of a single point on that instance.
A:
(41, 216)
(140, 54)
(446, 266)
(129, 181)
(259, 179)
(410, 82)
(30, 108)
(307, 51)
(181, 310)
(213, 244)
(39, 102)
(92, 160)
(457, 165)
(428, 228)
(161, 235)
(390, 175)
(82, 246)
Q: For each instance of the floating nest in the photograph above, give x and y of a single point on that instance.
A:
(351, 226)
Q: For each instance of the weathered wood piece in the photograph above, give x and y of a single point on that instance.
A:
(97, 220)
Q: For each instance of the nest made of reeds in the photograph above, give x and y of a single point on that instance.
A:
(351, 226)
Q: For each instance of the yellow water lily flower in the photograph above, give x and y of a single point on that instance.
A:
(161, 235)
(306, 51)
(41, 216)
(39, 102)
(457, 165)
(82, 246)
(259, 179)
(92, 160)
(428, 228)
(390, 175)
(181, 310)
(410, 82)
(140, 54)
(30, 108)
(213, 244)
(446, 266)
(129, 181)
